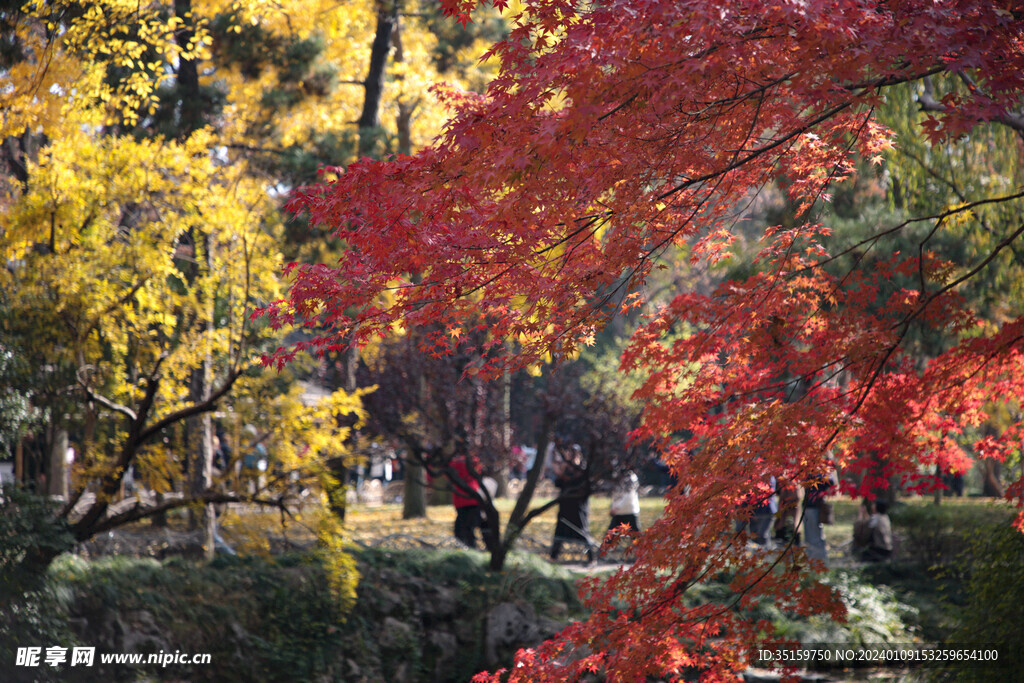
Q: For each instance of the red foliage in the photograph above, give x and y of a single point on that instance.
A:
(618, 128)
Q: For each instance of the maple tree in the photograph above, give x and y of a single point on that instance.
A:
(616, 130)
(919, 179)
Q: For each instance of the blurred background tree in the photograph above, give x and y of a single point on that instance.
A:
(146, 150)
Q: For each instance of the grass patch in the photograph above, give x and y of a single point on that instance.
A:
(368, 524)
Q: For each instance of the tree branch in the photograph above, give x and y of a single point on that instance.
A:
(204, 406)
(104, 401)
(928, 103)
(140, 511)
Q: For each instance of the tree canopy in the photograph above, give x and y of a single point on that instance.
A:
(144, 151)
(617, 130)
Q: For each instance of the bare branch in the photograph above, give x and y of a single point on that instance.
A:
(140, 511)
(103, 400)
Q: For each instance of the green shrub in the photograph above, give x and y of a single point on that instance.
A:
(936, 535)
(31, 613)
(258, 619)
(526, 576)
(274, 619)
(30, 536)
(963, 567)
(937, 594)
(992, 618)
(875, 616)
(37, 618)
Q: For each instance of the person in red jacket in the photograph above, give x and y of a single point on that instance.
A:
(468, 515)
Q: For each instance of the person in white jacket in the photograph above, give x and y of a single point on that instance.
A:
(625, 507)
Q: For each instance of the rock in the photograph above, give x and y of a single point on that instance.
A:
(558, 610)
(509, 627)
(409, 628)
(392, 577)
(371, 492)
(467, 631)
(444, 648)
(79, 626)
(550, 627)
(141, 633)
(401, 674)
(237, 633)
(439, 603)
(396, 635)
(389, 602)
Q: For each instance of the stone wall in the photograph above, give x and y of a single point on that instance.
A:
(403, 628)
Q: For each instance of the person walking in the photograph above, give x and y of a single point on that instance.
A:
(817, 512)
(573, 503)
(625, 508)
(466, 499)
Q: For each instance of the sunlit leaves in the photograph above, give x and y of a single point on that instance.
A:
(617, 130)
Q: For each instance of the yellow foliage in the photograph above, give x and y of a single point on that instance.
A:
(338, 562)
(115, 215)
(302, 434)
(134, 258)
(249, 534)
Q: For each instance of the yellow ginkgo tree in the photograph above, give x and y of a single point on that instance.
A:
(146, 149)
(108, 286)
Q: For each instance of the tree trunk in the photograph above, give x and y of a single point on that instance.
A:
(403, 119)
(159, 520)
(414, 499)
(192, 115)
(502, 474)
(498, 555)
(502, 544)
(19, 461)
(337, 490)
(892, 494)
(891, 491)
(200, 470)
(369, 119)
(991, 484)
(199, 428)
(57, 481)
(517, 519)
(440, 492)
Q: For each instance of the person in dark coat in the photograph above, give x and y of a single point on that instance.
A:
(756, 524)
(573, 503)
